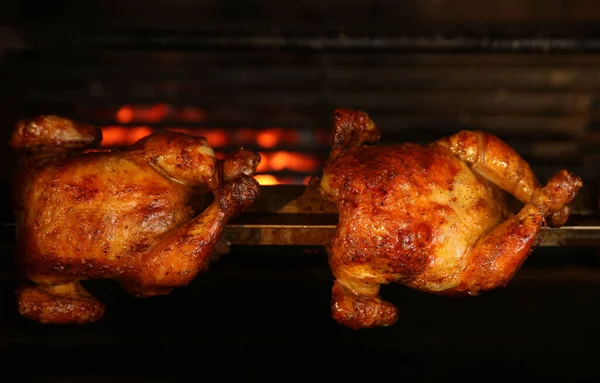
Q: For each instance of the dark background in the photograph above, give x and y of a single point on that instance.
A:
(265, 312)
(527, 71)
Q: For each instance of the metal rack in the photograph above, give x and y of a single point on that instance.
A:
(297, 215)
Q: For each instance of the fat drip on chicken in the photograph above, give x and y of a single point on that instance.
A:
(431, 217)
(135, 215)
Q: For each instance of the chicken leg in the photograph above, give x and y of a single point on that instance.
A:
(57, 302)
(493, 159)
(163, 267)
(174, 260)
(497, 256)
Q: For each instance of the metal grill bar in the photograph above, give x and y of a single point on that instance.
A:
(297, 215)
(317, 233)
(341, 42)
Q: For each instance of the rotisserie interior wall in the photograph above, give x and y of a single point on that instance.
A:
(267, 76)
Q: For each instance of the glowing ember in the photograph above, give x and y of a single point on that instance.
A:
(151, 114)
(120, 136)
(269, 138)
(263, 166)
(125, 115)
(293, 161)
(272, 160)
(266, 179)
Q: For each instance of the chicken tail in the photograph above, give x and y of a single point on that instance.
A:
(352, 128)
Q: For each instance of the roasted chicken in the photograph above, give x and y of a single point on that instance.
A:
(431, 217)
(138, 215)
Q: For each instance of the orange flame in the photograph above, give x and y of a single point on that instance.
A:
(120, 136)
(263, 166)
(282, 160)
(157, 113)
(266, 179)
(125, 115)
(269, 138)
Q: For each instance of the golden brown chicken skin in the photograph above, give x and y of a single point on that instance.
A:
(131, 215)
(430, 217)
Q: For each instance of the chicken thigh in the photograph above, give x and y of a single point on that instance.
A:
(133, 215)
(431, 217)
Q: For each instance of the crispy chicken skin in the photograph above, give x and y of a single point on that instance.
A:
(132, 215)
(429, 217)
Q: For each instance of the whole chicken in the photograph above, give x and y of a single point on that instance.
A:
(132, 215)
(430, 217)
